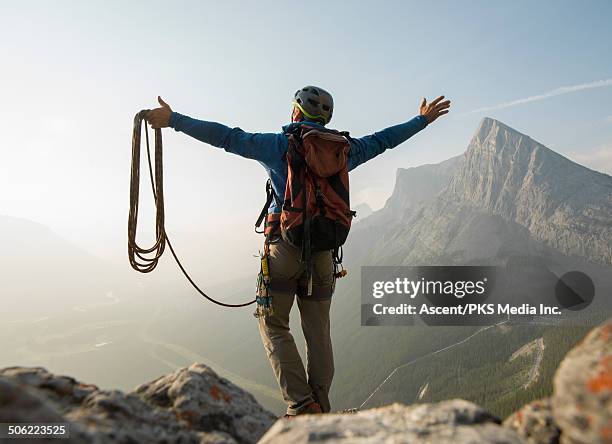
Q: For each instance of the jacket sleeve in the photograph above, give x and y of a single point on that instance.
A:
(263, 147)
(368, 147)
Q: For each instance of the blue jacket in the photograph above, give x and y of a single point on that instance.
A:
(269, 149)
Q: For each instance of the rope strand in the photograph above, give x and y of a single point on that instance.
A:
(141, 259)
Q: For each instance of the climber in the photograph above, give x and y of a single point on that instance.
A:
(312, 279)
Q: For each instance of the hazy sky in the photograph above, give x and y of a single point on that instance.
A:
(75, 72)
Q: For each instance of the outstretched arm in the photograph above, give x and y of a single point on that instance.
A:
(368, 147)
(261, 147)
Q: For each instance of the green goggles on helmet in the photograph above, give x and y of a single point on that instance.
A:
(319, 118)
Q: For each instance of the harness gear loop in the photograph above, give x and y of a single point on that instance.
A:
(135, 252)
(264, 299)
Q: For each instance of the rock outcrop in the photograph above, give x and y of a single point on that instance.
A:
(535, 423)
(194, 405)
(582, 398)
(453, 422)
(191, 405)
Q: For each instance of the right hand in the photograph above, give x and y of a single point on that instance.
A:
(431, 111)
(159, 117)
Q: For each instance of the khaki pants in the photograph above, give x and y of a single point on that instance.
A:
(300, 387)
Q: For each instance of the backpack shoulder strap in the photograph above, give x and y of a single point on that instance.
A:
(270, 195)
(298, 130)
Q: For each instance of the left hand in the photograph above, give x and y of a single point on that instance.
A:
(160, 117)
(431, 111)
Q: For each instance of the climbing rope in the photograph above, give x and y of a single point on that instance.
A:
(145, 260)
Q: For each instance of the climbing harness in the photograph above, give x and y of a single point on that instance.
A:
(141, 259)
(271, 232)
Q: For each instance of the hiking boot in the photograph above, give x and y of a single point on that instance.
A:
(311, 409)
(314, 408)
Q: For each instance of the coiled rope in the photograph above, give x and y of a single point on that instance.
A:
(141, 259)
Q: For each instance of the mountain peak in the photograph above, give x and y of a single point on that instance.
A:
(489, 126)
(495, 135)
(498, 149)
(509, 174)
(486, 124)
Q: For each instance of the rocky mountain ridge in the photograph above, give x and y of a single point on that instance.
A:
(418, 185)
(194, 405)
(191, 405)
(561, 203)
(507, 194)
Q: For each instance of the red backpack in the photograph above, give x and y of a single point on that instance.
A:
(316, 214)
